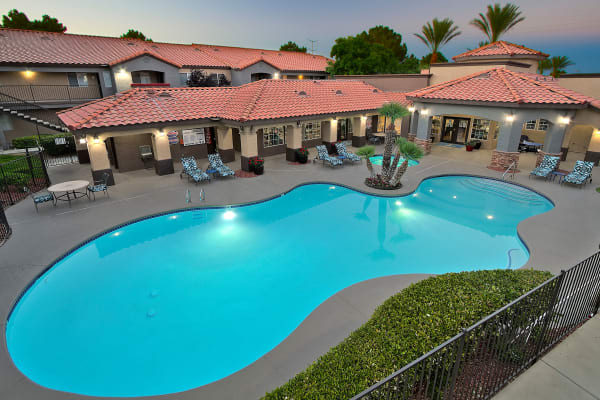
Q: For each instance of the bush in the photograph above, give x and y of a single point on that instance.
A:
(47, 142)
(406, 326)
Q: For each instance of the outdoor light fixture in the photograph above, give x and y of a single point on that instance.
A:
(96, 139)
(363, 117)
(82, 140)
(510, 118)
(161, 133)
(300, 77)
(597, 131)
(411, 109)
(564, 120)
(424, 111)
(28, 73)
(276, 75)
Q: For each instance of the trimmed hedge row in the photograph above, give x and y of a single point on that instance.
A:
(47, 142)
(406, 326)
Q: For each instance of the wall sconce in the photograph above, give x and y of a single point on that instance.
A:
(82, 140)
(161, 133)
(276, 75)
(96, 139)
(597, 132)
(425, 111)
(363, 118)
(28, 73)
(564, 120)
(300, 77)
(510, 118)
(298, 123)
(411, 109)
(122, 72)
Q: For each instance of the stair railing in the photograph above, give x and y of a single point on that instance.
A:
(512, 167)
(21, 106)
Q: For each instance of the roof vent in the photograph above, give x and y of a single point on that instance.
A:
(485, 75)
(197, 49)
(130, 44)
(150, 91)
(45, 38)
(375, 91)
(154, 46)
(338, 92)
(164, 94)
(215, 49)
(279, 54)
(302, 93)
(262, 52)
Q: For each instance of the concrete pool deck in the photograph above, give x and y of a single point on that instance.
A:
(557, 240)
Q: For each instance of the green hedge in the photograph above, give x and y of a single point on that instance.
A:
(406, 326)
(47, 142)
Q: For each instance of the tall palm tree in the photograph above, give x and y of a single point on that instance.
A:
(498, 20)
(558, 65)
(392, 111)
(437, 33)
(543, 65)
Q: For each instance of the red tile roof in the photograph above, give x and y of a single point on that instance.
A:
(500, 48)
(501, 85)
(262, 100)
(34, 47)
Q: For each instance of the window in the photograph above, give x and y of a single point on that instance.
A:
(311, 130)
(107, 78)
(218, 79)
(542, 125)
(481, 129)
(273, 136)
(530, 125)
(381, 123)
(77, 79)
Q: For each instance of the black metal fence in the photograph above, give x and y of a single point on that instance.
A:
(49, 93)
(4, 226)
(22, 176)
(478, 362)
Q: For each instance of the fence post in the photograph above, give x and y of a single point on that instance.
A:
(43, 162)
(29, 164)
(461, 346)
(540, 343)
(10, 199)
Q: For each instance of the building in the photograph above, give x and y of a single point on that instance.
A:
(262, 118)
(44, 72)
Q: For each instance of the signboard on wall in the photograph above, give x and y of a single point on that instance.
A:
(172, 136)
(193, 136)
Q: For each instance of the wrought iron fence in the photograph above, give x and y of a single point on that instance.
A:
(4, 226)
(22, 176)
(49, 93)
(478, 362)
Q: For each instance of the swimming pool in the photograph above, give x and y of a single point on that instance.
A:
(181, 300)
(378, 160)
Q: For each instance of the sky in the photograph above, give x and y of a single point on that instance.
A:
(558, 28)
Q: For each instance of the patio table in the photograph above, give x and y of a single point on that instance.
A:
(211, 172)
(560, 175)
(71, 189)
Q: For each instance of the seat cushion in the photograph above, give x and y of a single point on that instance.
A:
(97, 188)
(42, 198)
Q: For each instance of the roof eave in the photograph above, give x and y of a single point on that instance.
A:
(497, 104)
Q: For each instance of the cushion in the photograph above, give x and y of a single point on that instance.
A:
(97, 188)
(42, 198)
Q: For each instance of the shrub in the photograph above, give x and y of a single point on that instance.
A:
(406, 326)
(47, 142)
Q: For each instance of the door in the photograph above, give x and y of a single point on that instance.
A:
(455, 130)
(344, 129)
(211, 140)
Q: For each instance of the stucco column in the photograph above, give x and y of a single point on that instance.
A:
(99, 159)
(249, 145)
(225, 143)
(293, 141)
(554, 138)
(359, 131)
(329, 132)
(507, 147)
(163, 164)
(423, 133)
(414, 126)
(593, 151)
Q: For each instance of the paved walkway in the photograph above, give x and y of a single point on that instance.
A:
(557, 239)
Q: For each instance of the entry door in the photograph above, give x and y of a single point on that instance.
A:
(455, 130)
(344, 129)
(211, 140)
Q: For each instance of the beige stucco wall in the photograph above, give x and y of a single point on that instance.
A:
(589, 86)
(445, 73)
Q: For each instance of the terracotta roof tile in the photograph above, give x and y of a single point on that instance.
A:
(499, 48)
(501, 85)
(262, 100)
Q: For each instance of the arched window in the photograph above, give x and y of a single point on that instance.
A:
(530, 125)
(543, 125)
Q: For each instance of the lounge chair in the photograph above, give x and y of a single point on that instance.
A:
(190, 168)
(547, 166)
(343, 151)
(215, 162)
(581, 174)
(324, 156)
(99, 186)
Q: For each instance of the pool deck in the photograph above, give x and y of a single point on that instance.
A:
(557, 240)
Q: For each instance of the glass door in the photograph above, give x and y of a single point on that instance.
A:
(455, 130)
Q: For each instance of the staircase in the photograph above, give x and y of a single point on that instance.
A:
(24, 110)
(504, 190)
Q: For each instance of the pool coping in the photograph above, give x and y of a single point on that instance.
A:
(16, 300)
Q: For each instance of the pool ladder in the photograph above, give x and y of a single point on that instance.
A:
(512, 167)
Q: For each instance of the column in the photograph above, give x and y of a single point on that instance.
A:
(507, 147)
(423, 132)
(414, 126)
(225, 143)
(99, 158)
(249, 144)
(329, 132)
(359, 131)
(293, 141)
(593, 151)
(553, 143)
(163, 163)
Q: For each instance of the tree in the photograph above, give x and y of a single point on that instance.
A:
(498, 20)
(386, 37)
(367, 152)
(558, 65)
(356, 56)
(543, 65)
(410, 65)
(15, 19)
(199, 78)
(437, 33)
(426, 59)
(133, 34)
(292, 46)
(392, 111)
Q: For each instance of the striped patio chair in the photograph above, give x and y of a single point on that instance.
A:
(191, 169)
(324, 156)
(548, 165)
(343, 151)
(581, 174)
(215, 162)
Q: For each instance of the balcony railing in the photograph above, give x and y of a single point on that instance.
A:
(52, 93)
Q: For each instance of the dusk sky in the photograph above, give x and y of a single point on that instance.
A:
(558, 28)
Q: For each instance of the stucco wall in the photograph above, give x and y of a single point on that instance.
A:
(391, 82)
(241, 77)
(446, 72)
(122, 71)
(588, 85)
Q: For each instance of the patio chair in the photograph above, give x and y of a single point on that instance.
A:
(324, 156)
(191, 169)
(343, 151)
(41, 197)
(546, 167)
(215, 162)
(581, 174)
(100, 185)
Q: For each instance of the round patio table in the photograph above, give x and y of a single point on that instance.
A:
(71, 189)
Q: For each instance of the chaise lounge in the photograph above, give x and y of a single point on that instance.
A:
(215, 162)
(343, 151)
(546, 167)
(324, 156)
(581, 174)
(190, 168)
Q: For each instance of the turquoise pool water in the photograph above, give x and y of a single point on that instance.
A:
(378, 160)
(181, 300)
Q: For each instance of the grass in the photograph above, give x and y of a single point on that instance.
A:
(8, 157)
(404, 327)
(598, 189)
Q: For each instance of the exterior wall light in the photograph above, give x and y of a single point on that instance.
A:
(425, 111)
(411, 109)
(276, 75)
(96, 139)
(510, 118)
(597, 132)
(28, 73)
(300, 77)
(161, 133)
(363, 118)
(82, 140)
(564, 120)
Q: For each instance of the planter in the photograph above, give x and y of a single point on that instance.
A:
(469, 148)
(377, 182)
(477, 145)
(250, 167)
(302, 158)
(259, 169)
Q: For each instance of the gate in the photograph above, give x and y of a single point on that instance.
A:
(20, 177)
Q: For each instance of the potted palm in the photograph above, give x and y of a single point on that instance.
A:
(302, 155)
(257, 165)
(470, 145)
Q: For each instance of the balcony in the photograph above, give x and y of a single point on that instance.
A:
(50, 94)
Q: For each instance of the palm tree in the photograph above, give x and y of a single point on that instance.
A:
(367, 152)
(558, 65)
(437, 33)
(498, 20)
(409, 151)
(392, 111)
(543, 65)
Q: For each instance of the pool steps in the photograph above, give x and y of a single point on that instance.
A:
(505, 190)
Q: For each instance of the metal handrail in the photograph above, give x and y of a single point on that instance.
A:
(52, 93)
(512, 166)
(17, 104)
